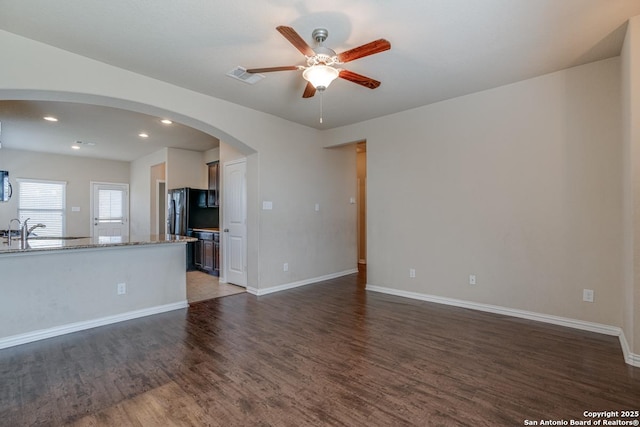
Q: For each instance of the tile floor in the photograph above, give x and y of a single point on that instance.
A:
(202, 286)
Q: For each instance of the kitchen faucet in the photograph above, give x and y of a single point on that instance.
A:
(24, 235)
(9, 230)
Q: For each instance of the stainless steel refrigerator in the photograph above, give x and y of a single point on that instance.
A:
(188, 209)
(178, 212)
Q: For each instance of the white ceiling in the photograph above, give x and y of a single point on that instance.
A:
(104, 132)
(440, 49)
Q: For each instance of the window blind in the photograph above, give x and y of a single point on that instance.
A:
(110, 206)
(42, 202)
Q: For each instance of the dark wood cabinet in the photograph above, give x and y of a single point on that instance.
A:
(206, 255)
(216, 254)
(197, 253)
(201, 196)
(213, 193)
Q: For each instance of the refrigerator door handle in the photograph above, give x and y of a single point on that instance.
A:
(172, 216)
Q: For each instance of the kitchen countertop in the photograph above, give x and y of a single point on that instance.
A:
(213, 230)
(40, 243)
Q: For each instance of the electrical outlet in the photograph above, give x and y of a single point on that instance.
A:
(285, 266)
(317, 207)
(472, 279)
(412, 273)
(122, 288)
(587, 295)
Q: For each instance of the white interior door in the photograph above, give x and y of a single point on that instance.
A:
(110, 209)
(234, 216)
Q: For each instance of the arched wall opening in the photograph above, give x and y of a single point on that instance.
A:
(238, 147)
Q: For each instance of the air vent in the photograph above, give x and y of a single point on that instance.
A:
(240, 73)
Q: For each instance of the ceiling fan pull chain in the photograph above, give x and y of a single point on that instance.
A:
(321, 97)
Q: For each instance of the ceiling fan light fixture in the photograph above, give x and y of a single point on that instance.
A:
(320, 76)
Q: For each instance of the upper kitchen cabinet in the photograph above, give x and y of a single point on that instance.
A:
(213, 195)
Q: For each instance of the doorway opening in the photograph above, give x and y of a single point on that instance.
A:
(202, 286)
(361, 170)
(161, 207)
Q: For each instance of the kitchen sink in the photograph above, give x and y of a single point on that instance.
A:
(55, 238)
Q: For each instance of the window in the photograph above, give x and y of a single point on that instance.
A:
(43, 202)
(110, 207)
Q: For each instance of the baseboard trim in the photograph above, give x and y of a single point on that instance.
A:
(629, 357)
(286, 286)
(42, 334)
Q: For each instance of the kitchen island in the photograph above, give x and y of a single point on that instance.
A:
(53, 286)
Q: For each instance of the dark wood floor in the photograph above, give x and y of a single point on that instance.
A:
(324, 354)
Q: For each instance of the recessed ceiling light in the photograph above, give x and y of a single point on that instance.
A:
(166, 121)
(85, 143)
(75, 147)
(143, 135)
(50, 119)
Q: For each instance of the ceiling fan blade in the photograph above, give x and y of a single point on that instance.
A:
(309, 91)
(376, 46)
(359, 79)
(295, 39)
(270, 69)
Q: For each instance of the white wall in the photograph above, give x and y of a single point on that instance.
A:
(157, 205)
(186, 168)
(140, 192)
(519, 185)
(293, 232)
(78, 172)
(69, 286)
(212, 155)
(631, 137)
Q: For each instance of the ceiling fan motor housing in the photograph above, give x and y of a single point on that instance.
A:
(323, 55)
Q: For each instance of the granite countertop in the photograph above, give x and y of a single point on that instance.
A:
(42, 243)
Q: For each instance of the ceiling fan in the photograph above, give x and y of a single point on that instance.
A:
(321, 61)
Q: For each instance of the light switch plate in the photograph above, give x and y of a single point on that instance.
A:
(267, 205)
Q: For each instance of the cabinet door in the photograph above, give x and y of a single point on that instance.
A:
(216, 258)
(207, 257)
(214, 179)
(201, 196)
(197, 253)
